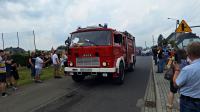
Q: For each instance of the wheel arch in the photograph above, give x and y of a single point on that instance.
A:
(120, 60)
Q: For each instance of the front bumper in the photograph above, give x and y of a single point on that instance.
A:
(95, 70)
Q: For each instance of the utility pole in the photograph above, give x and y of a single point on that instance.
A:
(177, 23)
(3, 41)
(34, 40)
(146, 44)
(17, 39)
(153, 39)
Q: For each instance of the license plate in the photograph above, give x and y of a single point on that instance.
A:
(105, 75)
(86, 70)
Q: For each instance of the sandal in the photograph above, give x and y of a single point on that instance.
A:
(169, 106)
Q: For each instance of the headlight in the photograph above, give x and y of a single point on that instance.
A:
(70, 64)
(104, 64)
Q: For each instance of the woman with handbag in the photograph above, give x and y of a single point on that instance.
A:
(179, 60)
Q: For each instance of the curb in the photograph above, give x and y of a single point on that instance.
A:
(158, 100)
(146, 92)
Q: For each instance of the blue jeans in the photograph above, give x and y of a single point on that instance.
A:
(155, 60)
(32, 71)
(189, 106)
(161, 65)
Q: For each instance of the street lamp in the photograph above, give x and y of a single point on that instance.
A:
(177, 23)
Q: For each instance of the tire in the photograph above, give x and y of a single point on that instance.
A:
(132, 67)
(120, 79)
(78, 78)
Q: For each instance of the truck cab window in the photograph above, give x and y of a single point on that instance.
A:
(118, 40)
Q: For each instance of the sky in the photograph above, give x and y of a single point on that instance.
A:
(53, 20)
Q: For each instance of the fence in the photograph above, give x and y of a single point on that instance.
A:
(24, 40)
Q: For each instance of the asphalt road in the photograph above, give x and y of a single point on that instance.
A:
(104, 96)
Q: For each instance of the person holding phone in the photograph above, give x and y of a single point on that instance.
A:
(188, 80)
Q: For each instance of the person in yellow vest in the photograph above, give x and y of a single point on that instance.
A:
(2, 74)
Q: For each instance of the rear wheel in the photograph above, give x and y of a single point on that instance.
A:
(120, 79)
(78, 78)
(132, 67)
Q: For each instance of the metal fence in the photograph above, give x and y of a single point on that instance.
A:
(24, 40)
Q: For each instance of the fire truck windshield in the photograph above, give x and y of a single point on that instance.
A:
(91, 38)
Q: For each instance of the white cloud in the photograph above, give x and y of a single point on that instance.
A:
(53, 20)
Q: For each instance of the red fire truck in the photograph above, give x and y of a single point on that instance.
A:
(100, 51)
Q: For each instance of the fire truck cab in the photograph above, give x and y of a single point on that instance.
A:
(100, 51)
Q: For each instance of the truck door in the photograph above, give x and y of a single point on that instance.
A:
(119, 41)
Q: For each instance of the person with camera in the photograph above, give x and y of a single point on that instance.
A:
(188, 80)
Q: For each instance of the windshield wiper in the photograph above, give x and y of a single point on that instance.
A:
(87, 40)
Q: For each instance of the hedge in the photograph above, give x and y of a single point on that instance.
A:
(20, 59)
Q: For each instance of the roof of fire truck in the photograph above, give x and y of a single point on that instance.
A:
(102, 28)
(93, 28)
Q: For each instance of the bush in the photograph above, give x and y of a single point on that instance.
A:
(20, 59)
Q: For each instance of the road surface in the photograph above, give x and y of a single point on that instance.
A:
(104, 96)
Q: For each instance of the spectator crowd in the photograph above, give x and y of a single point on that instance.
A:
(183, 72)
(36, 62)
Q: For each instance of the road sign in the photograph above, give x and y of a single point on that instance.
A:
(183, 27)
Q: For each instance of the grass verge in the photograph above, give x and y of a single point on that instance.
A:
(25, 77)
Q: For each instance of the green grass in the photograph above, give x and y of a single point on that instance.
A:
(25, 75)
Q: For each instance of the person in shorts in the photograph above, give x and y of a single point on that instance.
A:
(56, 64)
(188, 80)
(14, 74)
(38, 68)
(2, 74)
(8, 62)
(10, 72)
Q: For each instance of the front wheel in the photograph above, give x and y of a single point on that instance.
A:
(120, 79)
(78, 78)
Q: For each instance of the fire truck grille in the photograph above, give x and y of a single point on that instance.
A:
(88, 61)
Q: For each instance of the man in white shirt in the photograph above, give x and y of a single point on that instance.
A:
(56, 64)
(188, 80)
(38, 68)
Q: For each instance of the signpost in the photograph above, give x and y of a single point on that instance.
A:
(183, 27)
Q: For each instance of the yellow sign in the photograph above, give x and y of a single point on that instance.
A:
(183, 27)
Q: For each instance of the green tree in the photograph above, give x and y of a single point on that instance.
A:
(160, 39)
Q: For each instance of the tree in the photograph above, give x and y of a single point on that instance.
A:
(160, 38)
(173, 43)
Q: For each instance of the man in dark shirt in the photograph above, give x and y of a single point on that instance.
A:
(31, 61)
(155, 53)
(161, 60)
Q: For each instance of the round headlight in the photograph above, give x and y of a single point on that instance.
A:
(104, 64)
(71, 64)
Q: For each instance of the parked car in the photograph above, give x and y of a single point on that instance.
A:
(146, 52)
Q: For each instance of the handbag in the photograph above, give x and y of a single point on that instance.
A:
(169, 74)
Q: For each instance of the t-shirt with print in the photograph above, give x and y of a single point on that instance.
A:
(2, 66)
(38, 63)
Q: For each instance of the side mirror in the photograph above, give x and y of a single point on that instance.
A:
(68, 41)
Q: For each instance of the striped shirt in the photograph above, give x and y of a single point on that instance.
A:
(2, 65)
